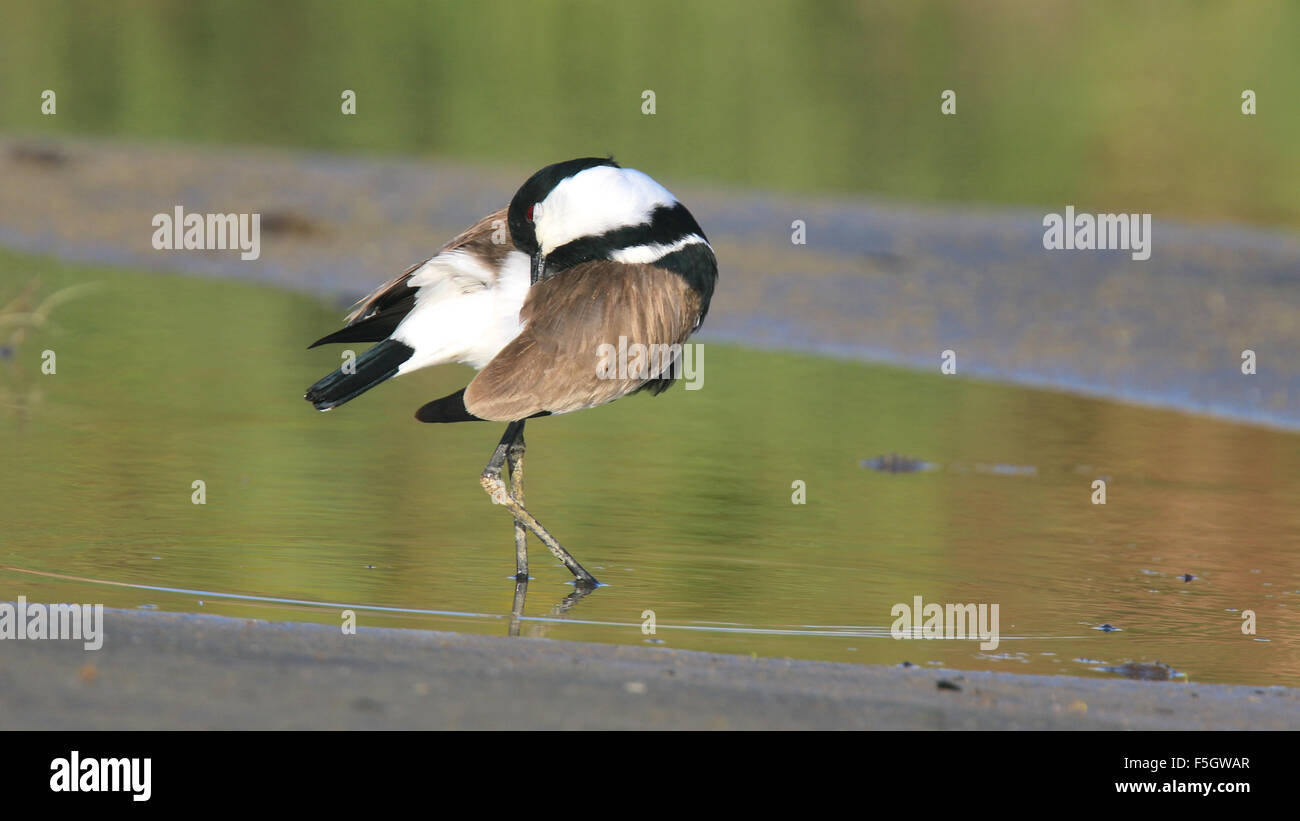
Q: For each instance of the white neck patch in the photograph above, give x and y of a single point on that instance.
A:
(597, 200)
(653, 253)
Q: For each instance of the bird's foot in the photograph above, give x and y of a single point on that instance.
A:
(496, 489)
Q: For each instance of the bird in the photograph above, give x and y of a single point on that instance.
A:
(588, 255)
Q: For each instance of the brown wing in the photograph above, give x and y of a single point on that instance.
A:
(557, 363)
(477, 239)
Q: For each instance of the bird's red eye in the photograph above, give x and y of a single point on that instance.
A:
(529, 215)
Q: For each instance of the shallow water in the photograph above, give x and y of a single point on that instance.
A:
(680, 504)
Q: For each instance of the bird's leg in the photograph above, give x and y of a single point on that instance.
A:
(515, 461)
(496, 488)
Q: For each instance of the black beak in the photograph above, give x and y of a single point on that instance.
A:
(539, 265)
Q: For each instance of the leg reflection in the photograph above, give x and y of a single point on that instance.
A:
(540, 629)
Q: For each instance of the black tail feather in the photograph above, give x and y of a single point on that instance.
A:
(447, 409)
(367, 330)
(372, 367)
(451, 408)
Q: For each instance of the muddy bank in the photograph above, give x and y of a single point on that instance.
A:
(175, 671)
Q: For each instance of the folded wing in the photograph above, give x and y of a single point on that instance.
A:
(378, 314)
(560, 361)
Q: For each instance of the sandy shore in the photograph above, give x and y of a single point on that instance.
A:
(176, 671)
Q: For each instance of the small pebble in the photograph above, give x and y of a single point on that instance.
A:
(88, 673)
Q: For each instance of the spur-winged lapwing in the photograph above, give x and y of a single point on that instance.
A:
(588, 257)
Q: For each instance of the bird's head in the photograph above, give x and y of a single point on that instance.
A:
(577, 202)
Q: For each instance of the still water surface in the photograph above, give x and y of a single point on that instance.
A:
(681, 504)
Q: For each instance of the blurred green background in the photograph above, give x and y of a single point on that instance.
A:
(1111, 106)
